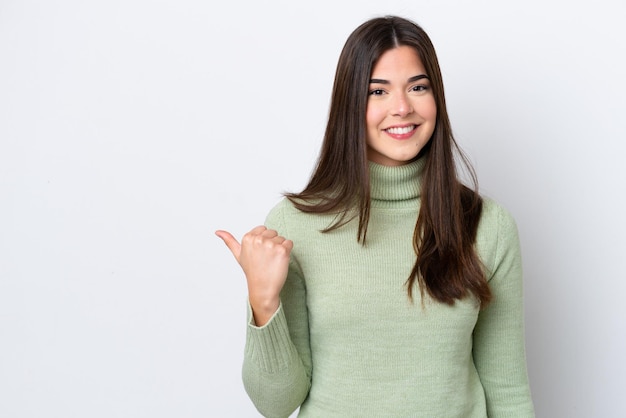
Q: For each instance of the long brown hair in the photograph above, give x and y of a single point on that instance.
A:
(447, 265)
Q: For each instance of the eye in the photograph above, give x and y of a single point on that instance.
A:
(376, 92)
(419, 88)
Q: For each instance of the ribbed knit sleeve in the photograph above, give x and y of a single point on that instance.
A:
(277, 358)
(498, 338)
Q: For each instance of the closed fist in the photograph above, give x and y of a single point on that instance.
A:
(264, 258)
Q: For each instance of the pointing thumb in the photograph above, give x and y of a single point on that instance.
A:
(230, 241)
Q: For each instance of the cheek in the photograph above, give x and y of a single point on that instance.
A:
(373, 117)
(431, 109)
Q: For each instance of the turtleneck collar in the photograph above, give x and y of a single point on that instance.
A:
(396, 183)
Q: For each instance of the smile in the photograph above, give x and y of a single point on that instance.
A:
(401, 130)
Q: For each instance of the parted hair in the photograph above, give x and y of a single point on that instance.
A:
(447, 266)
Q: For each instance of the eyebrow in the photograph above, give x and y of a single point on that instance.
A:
(410, 80)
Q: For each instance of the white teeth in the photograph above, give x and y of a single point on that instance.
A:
(401, 131)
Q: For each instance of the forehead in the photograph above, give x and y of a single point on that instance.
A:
(399, 61)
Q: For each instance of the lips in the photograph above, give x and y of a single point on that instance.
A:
(400, 130)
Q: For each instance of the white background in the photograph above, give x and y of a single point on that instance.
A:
(130, 130)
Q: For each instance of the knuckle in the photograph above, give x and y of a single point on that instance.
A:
(281, 250)
(247, 238)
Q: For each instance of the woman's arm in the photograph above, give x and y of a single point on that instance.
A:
(498, 349)
(277, 358)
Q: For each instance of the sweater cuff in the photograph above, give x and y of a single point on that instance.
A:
(270, 346)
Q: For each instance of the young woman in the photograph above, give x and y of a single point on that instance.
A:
(386, 287)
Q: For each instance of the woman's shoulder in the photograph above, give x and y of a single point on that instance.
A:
(283, 209)
(496, 234)
(285, 215)
(495, 216)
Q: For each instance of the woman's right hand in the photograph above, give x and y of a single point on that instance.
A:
(264, 258)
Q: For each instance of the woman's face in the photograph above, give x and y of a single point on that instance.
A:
(401, 110)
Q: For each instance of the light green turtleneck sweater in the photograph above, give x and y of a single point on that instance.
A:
(346, 341)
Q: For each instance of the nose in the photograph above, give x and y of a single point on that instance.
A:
(402, 106)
